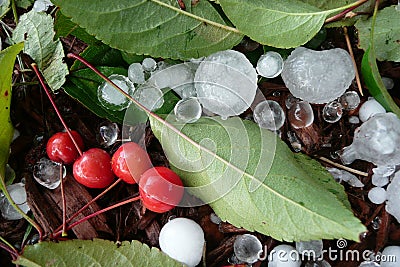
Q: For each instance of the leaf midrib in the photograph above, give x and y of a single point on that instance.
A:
(244, 173)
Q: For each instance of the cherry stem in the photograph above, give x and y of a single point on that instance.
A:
(7, 246)
(90, 66)
(64, 202)
(87, 205)
(98, 213)
(14, 254)
(344, 12)
(41, 80)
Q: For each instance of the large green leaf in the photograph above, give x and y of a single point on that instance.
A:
(63, 26)
(83, 85)
(7, 59)
(282, 24)
(36, 29)
(157, 27)
(93, 253)
(371, 75)
(386, 34)
(295, 199)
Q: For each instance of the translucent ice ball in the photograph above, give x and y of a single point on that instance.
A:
(318, 76)
(226, 83)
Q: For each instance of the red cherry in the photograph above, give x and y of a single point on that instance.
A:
(93, 169)
(161, 189)
(60, 147)
(129, 162)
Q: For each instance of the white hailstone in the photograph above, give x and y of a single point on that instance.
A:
(183, 240)
(284, 256)
(377, 195)
(369, 109)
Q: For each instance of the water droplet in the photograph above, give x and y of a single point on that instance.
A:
(149, 64)
(301, 115)
(269, 115)
(247, 248)
(270, 65)
(376, 223)
(110, 97)
(332, 112)
(47, 173)
(108, 133)
(350, 100)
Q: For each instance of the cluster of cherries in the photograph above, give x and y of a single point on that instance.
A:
(160, 188)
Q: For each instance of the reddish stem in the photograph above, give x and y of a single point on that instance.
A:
(344, 12)
(88, 204)
(90, 66)
(41, 80)
(14, 254)
(97, 213)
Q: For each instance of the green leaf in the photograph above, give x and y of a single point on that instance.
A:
(4, 8)
(63, 27)
(283, 24)
(93, 253)
(221, 161)
(100, 55)
(386, 34)
(372, 77)
(24, 3)
(156, 27)
(83, 86)
(7, 59)
(36, 29)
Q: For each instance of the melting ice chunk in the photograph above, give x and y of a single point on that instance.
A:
(47, 173)
(177, 77)
(377, 195)
(110, 97)
(136, 73)
(42, 5)
(393, 253)
(301, 115)
(18, 195)
(342, 175)
(226, 83)
(149, 96)
(376, 140)
(350, 100)
(149, 64)
(247, 248)
(284, 255)
(393, 197)
(369, 109)
(311, 249)
(318, 76)
(188, 110)
(354, 120)
(108, 133)
(270, 64)
(290, 100)
(369, 264)
(381, 174)
(332, 112)
(269, 115)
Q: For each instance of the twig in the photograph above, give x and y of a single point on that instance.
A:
(346, 36)
(344, 12)
(342, 166)
(64, 203)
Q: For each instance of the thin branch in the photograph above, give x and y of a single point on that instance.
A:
(346, 36)
(340, 166)
(344, 12)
